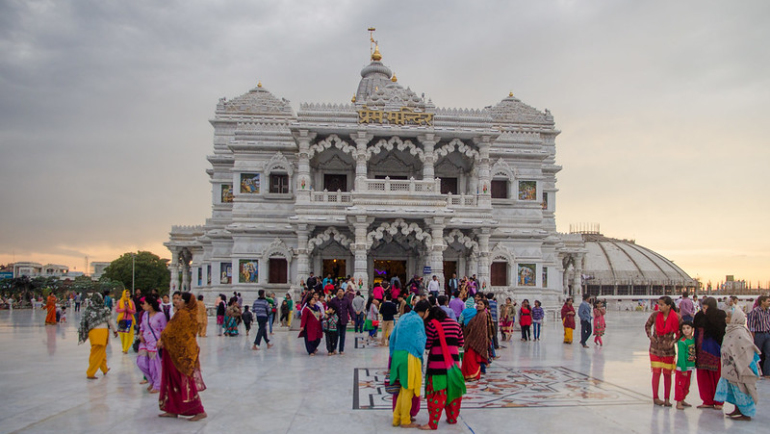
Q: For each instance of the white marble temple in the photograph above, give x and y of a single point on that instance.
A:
(282, 390)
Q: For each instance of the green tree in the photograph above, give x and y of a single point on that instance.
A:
(151, 271)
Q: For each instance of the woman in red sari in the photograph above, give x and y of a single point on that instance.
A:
(476, 343)
(663, 330)
(50, 318)
(310, 325)
(568, 320)
(181, 375)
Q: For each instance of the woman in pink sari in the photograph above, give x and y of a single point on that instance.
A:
(150, 328)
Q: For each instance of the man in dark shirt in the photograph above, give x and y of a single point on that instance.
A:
(345, 312)
(388, 310)
(261, 310)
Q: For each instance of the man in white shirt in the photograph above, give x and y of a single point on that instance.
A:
(434, 286)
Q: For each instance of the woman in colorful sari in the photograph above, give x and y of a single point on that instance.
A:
(600, 325)
(443, 389)
(507, 316)
(407, 344)
(50, 318)
(232, 317)
(310, 325)
(181, 374)
(663, 330)
(710, 325)
(568, 320)
(740, 368)
(203, 317)
(95, 326)
(476, 343)
(126, 310)
(152, 325)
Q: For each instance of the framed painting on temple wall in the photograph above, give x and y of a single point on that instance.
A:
(250, 183)
(226, 273)
(527, 190)
(227, 193)
(527, 276)
(248, 270)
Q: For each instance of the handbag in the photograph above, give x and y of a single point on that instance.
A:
(136, 345)
(455, 380)
(392, 388)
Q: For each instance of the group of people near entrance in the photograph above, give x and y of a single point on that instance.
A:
(720, 345)
(591, 314)
(168, 352)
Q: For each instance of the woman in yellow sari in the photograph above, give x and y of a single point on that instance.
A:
(95, 327)
(126, 310)
(50, 304)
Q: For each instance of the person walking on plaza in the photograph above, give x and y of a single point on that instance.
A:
(310, 325)
(584, 312)
(50, 305)
(358, 304)
(221, 309)
(273, 309)
(685, 364)
(345, 312)
(247, 317)
(407, 345)
(126, 310)
(710, 324)
(759, 326)
(261, 310)
(152, 325)
(599, 323)
(568, 320)
(78, 301)
(181, 381)
(740, 368)
(477, 342)
(290, 303)
(444, 383)
(203, 317)
(434, 286)
(329, 325)
(232, 317)
(95, 326)
(525, 320)
(686, 307)
(537, 320)
(388, 312)
(494, 313)
(372, 318)
(662, 329)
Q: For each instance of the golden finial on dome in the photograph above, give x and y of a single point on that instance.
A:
(353, 99)
(376, 56)
(394, 78)
(510, 94)
(259, 84)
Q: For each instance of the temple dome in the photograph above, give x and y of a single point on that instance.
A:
(258, 101)
(611, 261)
(512, 111)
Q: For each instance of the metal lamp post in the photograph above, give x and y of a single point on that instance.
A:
(133, 272)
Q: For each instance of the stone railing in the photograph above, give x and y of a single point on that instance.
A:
(331, 197)
(411, 186)
(461, 200)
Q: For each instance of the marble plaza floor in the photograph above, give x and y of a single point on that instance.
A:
(535, 387)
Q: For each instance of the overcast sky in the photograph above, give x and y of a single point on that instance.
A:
(663, 108)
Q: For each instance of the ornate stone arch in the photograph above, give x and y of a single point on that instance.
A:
(460, 146)
(398, 225)
(278, 249)
(333, 140)
(501, 252)
(463, 239)
(330, 233)
(395, 142)
(502, 169)
(279, 163)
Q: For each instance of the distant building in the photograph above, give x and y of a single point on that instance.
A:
(35, 269)
(97, 269)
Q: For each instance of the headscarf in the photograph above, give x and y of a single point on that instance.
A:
(179, 338)
(477, 334)
(409, 335)
(96, 313)
(738, 355)
(125, 302)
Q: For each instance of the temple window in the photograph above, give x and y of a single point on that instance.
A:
(277, 270)
(499, 274)
(279, 183)
(499, 189)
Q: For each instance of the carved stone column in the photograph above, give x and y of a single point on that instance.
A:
(428, 142)
(302, 187)
(484, 266)
(485, 176)
(360, 249)
(173, 269)
(437, 247)
(362, 139)
(577, 282)
(303, 265)
(185, 276)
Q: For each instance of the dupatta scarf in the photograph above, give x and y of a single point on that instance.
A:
(477, 334)
(179, 338)
(738, 355)
(95, 314)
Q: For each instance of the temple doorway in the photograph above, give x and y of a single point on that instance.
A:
(450, 267)
(385, 269)
(335, 267)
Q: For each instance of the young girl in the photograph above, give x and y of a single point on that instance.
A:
(599, 324)
(537, 320)
(663, 329)
(329, 324)
(247, 317)
(685, 364)
(525, 319)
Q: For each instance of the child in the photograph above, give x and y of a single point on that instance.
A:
(285, 313)
(685, 364)
(330, 329)
(600, 324)
(247, 318)
(63, 318)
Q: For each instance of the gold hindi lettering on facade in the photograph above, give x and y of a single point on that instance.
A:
(404, 116)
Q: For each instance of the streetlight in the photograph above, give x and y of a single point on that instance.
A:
(133, 272)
